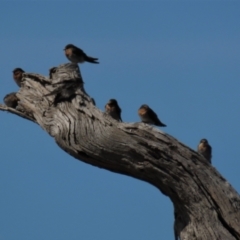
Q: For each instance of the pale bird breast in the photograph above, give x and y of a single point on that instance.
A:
(17, 78)
(199, 146)
(142, 112)
(202, 147)
(68, 52)
(107, 108)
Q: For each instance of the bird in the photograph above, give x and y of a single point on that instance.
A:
(11, 100)
(147, 115)
(77, 55)
(17, 75)
(205, 149)
(113, 109)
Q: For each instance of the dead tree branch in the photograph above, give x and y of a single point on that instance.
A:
(206, 205)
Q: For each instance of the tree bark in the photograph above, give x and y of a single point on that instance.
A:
(206, 206)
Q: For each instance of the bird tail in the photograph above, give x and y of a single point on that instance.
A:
(160, 124)
(91, 59)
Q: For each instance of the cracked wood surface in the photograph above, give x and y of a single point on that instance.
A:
(206, 206)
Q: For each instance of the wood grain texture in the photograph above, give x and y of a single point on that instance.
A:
(206, 206)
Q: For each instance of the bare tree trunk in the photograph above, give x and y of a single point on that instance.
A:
(206, 206)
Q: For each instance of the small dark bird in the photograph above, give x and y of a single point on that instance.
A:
(113, 109)
(77, 55)
(205, 149)
(147, 115)
(11, 100)
(17, 76)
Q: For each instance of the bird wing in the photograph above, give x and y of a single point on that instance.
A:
(119, 110)
(155, 118)
(209, 149)
(153, 115)
(78, 51)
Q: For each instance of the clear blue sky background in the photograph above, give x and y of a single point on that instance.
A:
(180, 57)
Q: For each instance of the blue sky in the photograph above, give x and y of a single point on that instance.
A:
(180, 57)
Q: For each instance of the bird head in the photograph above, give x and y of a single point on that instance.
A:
(204, 140)
(16, 70)
(69, 46)
(112, 102)
(145, 106)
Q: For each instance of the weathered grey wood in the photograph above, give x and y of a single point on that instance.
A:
(206, 206)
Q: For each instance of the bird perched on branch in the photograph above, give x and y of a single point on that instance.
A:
(17, 76)
(147, 115)
(205, 149)
(113, 109)
(77, 55)
(11, 100)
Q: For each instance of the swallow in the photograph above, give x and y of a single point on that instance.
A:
(11, 100)
(17, 76)
(113, 109)
(147, 115)
(205, 149)
(77, 55)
